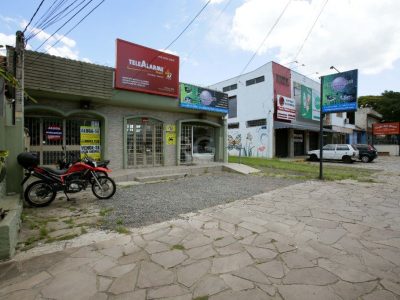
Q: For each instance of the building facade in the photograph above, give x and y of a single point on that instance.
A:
(79, 108)
(274, 112)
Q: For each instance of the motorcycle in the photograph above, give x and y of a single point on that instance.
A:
(64, 164)
(76, 178)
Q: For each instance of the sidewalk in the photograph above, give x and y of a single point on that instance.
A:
(314, 240)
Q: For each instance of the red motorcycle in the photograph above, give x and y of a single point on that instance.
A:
(72, 180)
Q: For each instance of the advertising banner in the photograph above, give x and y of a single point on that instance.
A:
(306, 102)
(196, 97)
(146, 70)
(316, 105)
(54, 133)
(386, 128)
(286, 108)
(339, 92)
(90, 142)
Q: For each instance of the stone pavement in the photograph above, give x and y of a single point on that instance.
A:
(313, 240)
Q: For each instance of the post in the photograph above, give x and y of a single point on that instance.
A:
(321, 132)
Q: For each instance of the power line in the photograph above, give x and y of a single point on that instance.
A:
(214, 22)
(65, 23)
(265, 38)
(33, 16)
(187, 26)
(59, 39)
(311, 29)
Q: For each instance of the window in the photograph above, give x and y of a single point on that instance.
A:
(339, 115)
(233, 125)
(329, 147)
(256, 123)
(232, 107)
(229, 88)
(255, 80)
(282, 80)
(342, 147)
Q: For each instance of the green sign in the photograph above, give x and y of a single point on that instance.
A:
(306, 102)
(196, 97)
(339, 92)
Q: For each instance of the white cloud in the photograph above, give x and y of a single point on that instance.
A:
(362, 34)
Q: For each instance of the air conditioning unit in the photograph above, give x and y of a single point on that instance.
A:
(346, 121)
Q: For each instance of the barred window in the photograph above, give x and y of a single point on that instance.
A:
(255, 80)
(233, 125)
(256, 123)
(229, 88)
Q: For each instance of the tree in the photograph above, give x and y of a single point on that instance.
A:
(387, 104)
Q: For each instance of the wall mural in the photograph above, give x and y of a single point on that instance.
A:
(254, 142)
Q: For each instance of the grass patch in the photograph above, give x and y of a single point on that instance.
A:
(119, 221)
(303, 170)
(43, 232)
(177, 247)
(105, 211)
(122, 230)
(83, 230)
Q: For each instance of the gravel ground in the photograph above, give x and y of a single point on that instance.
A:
(145, 204)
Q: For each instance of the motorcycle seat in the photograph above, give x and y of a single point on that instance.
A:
(55, 171)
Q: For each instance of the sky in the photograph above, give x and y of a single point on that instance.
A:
(308, 36)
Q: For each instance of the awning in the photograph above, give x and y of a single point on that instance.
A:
(281, 125)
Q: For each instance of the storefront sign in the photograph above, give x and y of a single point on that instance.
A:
(286, 108)
(170, 128)
(147, 70)
(386, 128)
(54, 133)
(90, 142)
(316, 105)
(196, 97)
(171, 138)
(339, 92)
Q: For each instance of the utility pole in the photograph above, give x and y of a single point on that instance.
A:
(15, 132)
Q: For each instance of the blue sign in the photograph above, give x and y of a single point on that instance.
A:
(339, 92)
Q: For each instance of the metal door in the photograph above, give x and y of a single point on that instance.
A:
(50, 150)
(144, 143)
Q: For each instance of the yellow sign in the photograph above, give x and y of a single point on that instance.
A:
(170, 128)
(90, 142)
(171, 138)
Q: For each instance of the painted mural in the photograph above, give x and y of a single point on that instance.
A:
(248, 142)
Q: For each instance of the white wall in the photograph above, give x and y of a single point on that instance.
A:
(253, 102)
(392, 149)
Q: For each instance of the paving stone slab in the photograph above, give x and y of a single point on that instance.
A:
(272, 269)
(307, 292)
(188, 275)
(152, 275)
(169, 259)
(231, 263)
(310, 276)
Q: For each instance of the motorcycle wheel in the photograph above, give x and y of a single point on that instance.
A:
(98, 174)
(39, 193)
(107, 188)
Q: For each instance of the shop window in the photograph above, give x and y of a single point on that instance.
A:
(255, 80)
(256, 123)
(229, 88)
(233, 126)
(203, 140)
(232, 105)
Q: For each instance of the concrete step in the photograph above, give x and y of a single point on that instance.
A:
(161, 177)
(240, 168)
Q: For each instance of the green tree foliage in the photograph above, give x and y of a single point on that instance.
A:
(387, 104)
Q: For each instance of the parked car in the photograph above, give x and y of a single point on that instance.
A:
(344, 152)
(367, 153)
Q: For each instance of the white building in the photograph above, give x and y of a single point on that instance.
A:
(274, 112)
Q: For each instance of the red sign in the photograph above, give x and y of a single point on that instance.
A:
(146, 70)
(286, 108)
(285, 105)
(386, 128)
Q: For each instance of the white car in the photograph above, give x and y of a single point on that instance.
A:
(344, 152)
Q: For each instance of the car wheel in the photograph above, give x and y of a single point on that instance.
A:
(365, 159)
(313, 157)
(347, 159)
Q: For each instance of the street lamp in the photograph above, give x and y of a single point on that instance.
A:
(333, 68)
